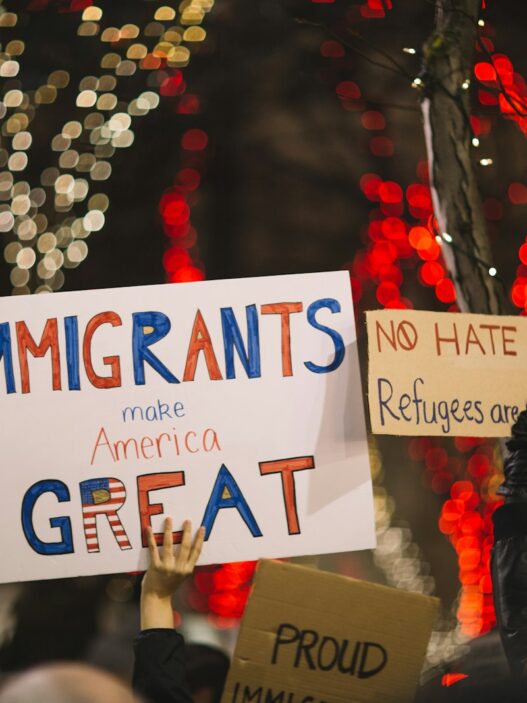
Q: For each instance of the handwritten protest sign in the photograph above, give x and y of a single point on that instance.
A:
(236, 404)
(309, 636)
(446, 374)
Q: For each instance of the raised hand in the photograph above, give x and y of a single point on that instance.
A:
(168, 568)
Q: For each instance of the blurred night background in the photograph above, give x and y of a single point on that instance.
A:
(144, 143)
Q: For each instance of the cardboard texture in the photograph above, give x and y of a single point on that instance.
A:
(236, 404)
(309, 636)
(445, 374)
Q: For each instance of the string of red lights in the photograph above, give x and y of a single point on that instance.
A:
(402, 233)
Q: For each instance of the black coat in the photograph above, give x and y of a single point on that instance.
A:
(159, 671)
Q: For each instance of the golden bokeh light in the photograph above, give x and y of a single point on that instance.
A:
(22, 141)
(92, 14)
(45, 248)
(88, 29)
(129, 31)
(8, 19)
(86, 98)
(165, 13)
(9, 69)
(15, 48)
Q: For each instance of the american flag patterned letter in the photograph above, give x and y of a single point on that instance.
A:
(103, 496)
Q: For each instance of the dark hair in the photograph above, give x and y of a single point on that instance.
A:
(206, 667)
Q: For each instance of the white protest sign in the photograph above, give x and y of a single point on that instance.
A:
(236, 404)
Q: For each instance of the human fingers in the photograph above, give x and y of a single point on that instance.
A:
(186, 541)
(197, 545)
(168, 542)
(152, 546)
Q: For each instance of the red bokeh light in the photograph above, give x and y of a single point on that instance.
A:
(445, 291)
(186, 274)
(393, 228)
(487, 99)
(390, 192)
(373, 120)
(517, 193)
(420, 238)
(432, 272)
(386, 292)
(370, 184)
(188, 105)
(194, 140)
(485, 72)
(176, 212)
(436, 458)
(451, 679)
(348, 90)
(332, 49)
(419, 200)
(175, 258)
(478, 465)
(522, 252)
(382, 146)
(188, 179)
(173, 85)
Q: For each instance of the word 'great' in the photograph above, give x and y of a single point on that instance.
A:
(104, 497)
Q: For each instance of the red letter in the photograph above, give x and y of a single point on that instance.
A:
(200, 341)
(449, 340)
(287, 467)
(507, 340)
(27, 343)
(114, 380)
(472, 338)
(284, 310)
(153, 482)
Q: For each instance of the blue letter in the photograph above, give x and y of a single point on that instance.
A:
(312, 310)
(383, 402)
(71, 328)
(226, 494)
(141, 341)
(232, 338)
(65, 546)
(5, 351)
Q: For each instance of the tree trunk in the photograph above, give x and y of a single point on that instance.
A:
(448, 59)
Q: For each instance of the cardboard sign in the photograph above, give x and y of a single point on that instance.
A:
(433, 373)
(235, 404)
(309, 636)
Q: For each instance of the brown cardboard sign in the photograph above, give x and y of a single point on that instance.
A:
(436, 373)
(311, 636)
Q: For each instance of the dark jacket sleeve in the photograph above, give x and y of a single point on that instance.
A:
(159, 670)
(509, 576)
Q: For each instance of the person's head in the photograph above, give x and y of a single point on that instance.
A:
(206, 669)
(65, 683)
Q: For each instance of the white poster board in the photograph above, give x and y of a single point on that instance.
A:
(236, 404)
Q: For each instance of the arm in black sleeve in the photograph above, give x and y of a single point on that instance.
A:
(509, 577)
(159, 670)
